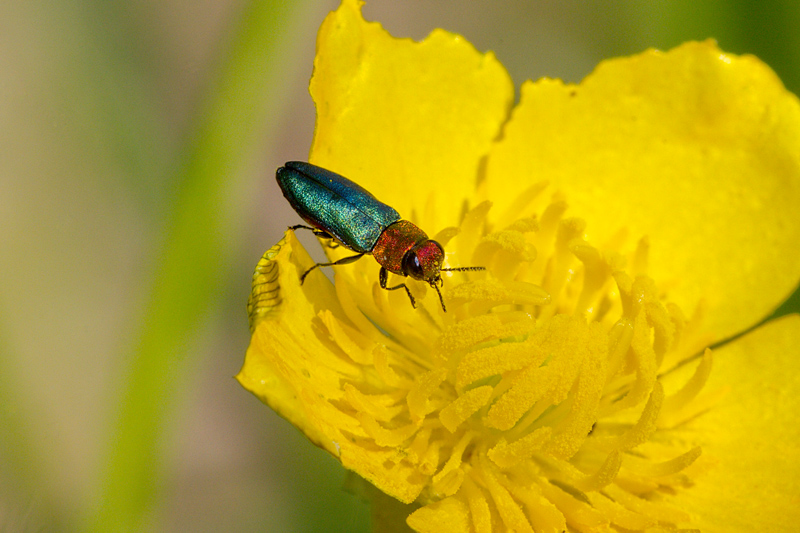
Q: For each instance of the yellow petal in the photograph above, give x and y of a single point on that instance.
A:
(295, 366)
(751, 437)
(450, 515)
(408, 121)
(263, 374)
(696, 149)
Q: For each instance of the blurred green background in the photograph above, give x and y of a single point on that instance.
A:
(138, 142)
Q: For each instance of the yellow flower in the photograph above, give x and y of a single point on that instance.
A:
(627, 224)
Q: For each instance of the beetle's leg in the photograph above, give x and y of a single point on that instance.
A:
(320, 234)
(383, 277)
(342, 261)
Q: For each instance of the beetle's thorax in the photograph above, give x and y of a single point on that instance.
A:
(402, 246)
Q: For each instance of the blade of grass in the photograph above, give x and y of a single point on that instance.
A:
(187, 280)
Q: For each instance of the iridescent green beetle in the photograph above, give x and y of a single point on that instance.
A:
(336, 208)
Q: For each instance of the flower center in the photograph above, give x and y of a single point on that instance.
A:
(538, 400)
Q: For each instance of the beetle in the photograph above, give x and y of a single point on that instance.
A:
(337, 208)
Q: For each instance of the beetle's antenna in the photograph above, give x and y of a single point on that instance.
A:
(461, 269)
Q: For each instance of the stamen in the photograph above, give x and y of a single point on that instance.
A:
(535, 402)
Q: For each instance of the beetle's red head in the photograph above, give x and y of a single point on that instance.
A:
(424, 261)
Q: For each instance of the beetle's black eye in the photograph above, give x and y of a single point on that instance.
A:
(412, 266)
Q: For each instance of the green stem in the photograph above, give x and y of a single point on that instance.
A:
(187, 280)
